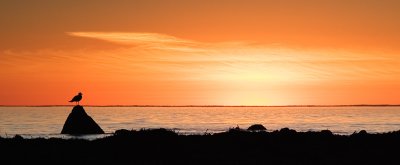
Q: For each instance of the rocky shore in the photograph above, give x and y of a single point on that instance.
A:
(236, 146)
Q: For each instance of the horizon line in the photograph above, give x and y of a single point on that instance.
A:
(306, 105)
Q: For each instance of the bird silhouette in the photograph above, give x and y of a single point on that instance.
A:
(77, 98)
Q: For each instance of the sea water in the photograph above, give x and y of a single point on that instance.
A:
(48, 121)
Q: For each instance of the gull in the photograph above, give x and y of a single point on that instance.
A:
(77, 98)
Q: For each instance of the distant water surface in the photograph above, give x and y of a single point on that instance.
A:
(48, 121)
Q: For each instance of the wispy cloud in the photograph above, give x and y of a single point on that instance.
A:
(144, 40)
(150, 63)
(168, 57)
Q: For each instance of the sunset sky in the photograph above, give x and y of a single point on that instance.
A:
(200, 52)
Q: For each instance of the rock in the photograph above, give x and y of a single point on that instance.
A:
(123, 132)
(326, 133)
(18, 137)
(363, 132)
(78, 122)
(236, 129)
(256, 127)
(287, 131)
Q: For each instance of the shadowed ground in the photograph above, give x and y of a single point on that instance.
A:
(235, 146)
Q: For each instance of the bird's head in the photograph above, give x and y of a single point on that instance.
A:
(79, 93)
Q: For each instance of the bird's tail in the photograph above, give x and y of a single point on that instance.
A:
(71, 101)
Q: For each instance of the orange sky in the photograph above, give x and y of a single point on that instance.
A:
(200, 52)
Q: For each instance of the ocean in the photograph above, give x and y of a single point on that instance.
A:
(47, 122)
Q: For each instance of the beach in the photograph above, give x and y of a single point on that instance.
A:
(236, 146)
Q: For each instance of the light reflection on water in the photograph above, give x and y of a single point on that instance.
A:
(48, 121)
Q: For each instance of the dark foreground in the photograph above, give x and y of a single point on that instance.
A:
(233, 147)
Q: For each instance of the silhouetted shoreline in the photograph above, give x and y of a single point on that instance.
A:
(236, 146)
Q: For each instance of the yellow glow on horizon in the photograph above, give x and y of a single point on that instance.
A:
(203, 52)
(166, 70)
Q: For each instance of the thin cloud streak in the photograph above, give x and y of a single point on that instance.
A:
(247, 58)
(156, 65)
(152, 53)
(144, 40)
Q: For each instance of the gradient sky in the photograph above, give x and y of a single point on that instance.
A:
(200, 52)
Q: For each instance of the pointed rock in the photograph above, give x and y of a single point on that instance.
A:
(78, 122)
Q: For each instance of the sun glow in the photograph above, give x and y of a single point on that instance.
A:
(199, 52)
(160, 69)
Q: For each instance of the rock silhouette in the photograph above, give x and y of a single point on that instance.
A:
(256, 127)
(239, 147)
(79, 122)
